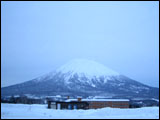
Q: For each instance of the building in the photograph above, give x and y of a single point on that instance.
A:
(72, 105)
(68, 105)
(113, 103)
(101, 103)
(88, 103)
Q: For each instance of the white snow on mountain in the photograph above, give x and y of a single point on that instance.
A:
(83, 68)
(86, 68)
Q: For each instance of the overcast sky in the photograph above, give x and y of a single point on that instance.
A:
(38, 37)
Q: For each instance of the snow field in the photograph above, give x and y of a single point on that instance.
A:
(22, 111)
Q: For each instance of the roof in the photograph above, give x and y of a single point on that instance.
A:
(69, 100)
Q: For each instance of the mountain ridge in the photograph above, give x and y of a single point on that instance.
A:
(76, 78)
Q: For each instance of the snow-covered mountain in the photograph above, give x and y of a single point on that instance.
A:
(81, 68)
(86, 68)
(83, 77)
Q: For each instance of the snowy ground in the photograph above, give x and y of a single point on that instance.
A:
(22, 111)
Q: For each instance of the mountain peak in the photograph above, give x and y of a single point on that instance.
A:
(86, 67)
(83, 77)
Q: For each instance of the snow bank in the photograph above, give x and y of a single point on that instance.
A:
(21, 111)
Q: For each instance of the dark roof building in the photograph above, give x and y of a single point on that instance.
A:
(89, 103)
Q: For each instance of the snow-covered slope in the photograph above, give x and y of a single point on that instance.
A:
(87, 67)
(22, 111)
(82, 68)
(83, 77)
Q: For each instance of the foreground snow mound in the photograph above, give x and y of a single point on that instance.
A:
(21, 111)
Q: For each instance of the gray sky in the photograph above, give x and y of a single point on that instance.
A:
(38, 37)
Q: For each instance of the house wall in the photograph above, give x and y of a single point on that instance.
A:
(113, 104)
(89, 104)
(71, 105)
